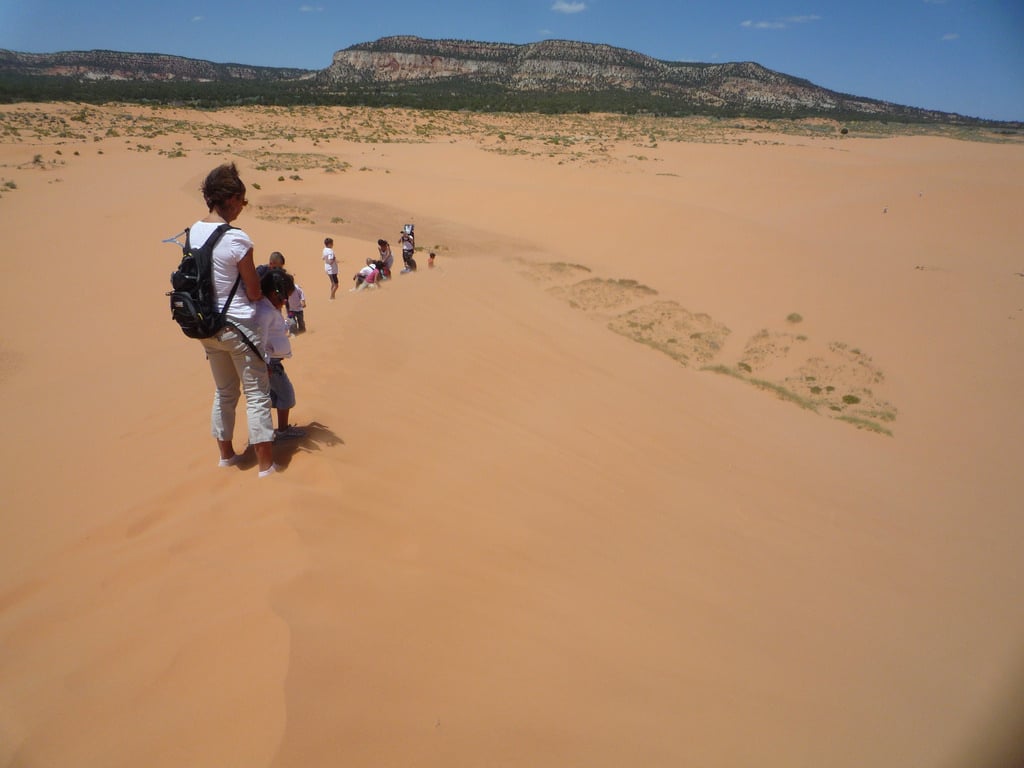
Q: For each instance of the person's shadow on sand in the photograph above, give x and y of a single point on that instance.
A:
(318, 436)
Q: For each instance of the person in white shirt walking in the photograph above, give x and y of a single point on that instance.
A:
(331, 264)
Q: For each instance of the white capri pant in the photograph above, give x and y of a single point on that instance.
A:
(236, 368)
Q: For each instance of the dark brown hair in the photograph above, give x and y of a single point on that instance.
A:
(222, 183)
(277, 280)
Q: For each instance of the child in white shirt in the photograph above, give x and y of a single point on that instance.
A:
(331, 264)
(277, 285)
(297, 309)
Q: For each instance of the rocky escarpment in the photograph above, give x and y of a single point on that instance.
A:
(560, 66)
(553, 75)
(116, 65)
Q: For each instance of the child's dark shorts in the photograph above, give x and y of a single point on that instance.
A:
(282, 393)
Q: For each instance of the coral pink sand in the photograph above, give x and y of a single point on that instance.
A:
(530, 525)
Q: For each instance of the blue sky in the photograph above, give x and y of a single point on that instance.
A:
(964, 56)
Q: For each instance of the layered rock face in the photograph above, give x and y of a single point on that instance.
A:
(562, 66)
(548, 67)
(117, 65)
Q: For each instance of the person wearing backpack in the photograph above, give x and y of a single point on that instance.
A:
(234, 364)
(408, 241)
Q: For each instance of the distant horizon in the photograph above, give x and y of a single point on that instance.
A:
(486, 42)
(942, 55)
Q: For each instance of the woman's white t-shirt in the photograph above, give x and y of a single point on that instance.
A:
(230, 250)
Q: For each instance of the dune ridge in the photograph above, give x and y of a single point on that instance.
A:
(578, 494)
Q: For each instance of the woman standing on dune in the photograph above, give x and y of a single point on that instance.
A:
(234, 364)
(385, 257)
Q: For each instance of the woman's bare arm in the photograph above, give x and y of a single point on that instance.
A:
(247, 269)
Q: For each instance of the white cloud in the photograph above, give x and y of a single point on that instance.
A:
(950, 36)
(311, 8)
(561, 6)
(780, 23)
(197, 18)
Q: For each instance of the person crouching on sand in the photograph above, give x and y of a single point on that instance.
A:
(368, 276)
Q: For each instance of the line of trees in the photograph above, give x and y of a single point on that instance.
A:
(440, 95)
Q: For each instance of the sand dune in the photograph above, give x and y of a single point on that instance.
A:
(699, 446)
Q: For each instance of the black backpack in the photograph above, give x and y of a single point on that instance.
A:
(192, 300)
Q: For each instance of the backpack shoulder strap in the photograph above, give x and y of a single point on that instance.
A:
(216, 235)
(240, 330)
(211, 241)
(208, 247)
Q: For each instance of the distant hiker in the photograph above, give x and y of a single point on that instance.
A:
(430, 260)
(297, 310)
(386, 258)
(408, 241)
(368, 276)
(274, 261)
(331, 264)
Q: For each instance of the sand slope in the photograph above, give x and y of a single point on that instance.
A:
(697, 448)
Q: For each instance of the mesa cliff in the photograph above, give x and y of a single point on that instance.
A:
(552, 75)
